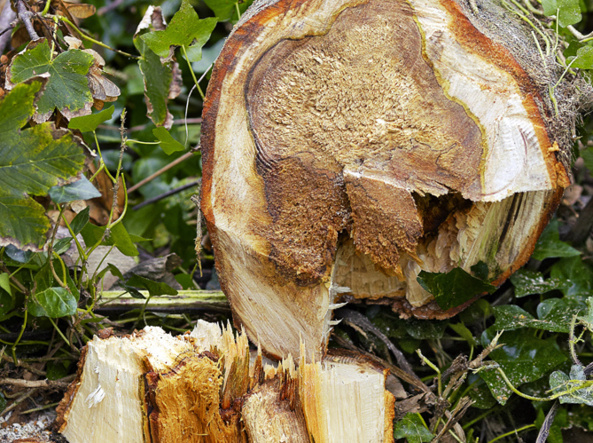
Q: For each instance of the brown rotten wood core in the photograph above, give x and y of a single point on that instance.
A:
(350, 144)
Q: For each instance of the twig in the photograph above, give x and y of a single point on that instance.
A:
(25, 16)
(161, 171)
(110, 7)
(547, 424)
(7, 18)
(167, 194)
(22, 364)
(184, 301)
(38, 384)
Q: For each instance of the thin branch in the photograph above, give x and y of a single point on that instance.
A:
(161, 171)
(167, 194)
(25, 16)
(36, 384)
(7, 23)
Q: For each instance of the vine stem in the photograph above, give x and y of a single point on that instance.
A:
(191, 71)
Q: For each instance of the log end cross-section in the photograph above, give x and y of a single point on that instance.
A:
(348, 145)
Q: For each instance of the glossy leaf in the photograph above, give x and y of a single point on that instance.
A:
(554, 315)
(575, 276)
(81, 189)
(168, 143)
(89, 123)
(413, 428)
(31, 161)
(561, 382)
(53, 302)
(453, 288)
(67, 87)
(532, 282)
(549, 244)
(80, 221)
(524, 358)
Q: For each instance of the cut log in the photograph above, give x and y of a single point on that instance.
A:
(206, 387)
(350, 144)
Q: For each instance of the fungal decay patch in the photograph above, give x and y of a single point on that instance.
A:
(350, 127)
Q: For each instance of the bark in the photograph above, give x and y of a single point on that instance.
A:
(350, 144)
(207, 387)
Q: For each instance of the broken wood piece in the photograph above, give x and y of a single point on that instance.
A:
(349, 145)
(206, 387)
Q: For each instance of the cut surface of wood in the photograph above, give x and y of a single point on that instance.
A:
(207, 387)
(350, 144)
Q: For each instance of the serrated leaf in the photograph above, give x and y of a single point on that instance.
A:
(154, 288)
(413, 429)
(157, 84)
(31, 161)
(549, 244)
(67, 87)
(568, 12)
(575, 276)
(532, 282)
(184, 29)
(524, 358)
(167, 142)
(227, 9)
(53, 302)
(453, 288)
(561, 382)
(89, 123)
(80, 221)
(81, 189)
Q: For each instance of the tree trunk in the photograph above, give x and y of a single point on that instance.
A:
(205, 387)
(350, 144)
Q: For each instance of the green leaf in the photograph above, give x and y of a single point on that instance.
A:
(53, 302)
(464, 333)
(31, 161)
(81, 189)
(153, 287)
(560, 382)
(5, 283)
(118, 236)
(62, 245)
(168, 143)
(413, 428)
(575, 276)
(453, 288)
(157, 83)
(57, 369)
(549, 244)
(531, 282)
(524, 358)
(567, 11)
(18, 255)
(89, 123)
(584, 58)
(80, 221)
(554, 315)
(587, 319)
(67, 87)
(227, 9)
(185, 28)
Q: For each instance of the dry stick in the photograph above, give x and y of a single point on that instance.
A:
(542, 436)
(35, 384)
(162, 170)
(166, 194)
(25, 16)
(7, 18)
(110, 7)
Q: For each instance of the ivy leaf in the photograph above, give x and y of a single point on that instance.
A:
(81, 189)
(567, 11)
(168, 143)
(227, 9)
(524, 358)
(549, 244)
(554, 315)
(587, 319)
(560, 382)
(53, 302)
(31, 161)
(575, 277)
(453, 288)
(528, 282)
(185, 28)
(89, 123)
(67, 87)
(154, 288)
(413, 428)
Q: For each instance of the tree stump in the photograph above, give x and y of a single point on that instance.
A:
(350, 144)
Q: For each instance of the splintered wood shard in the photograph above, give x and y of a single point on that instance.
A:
(354, 143)
(206, 387)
